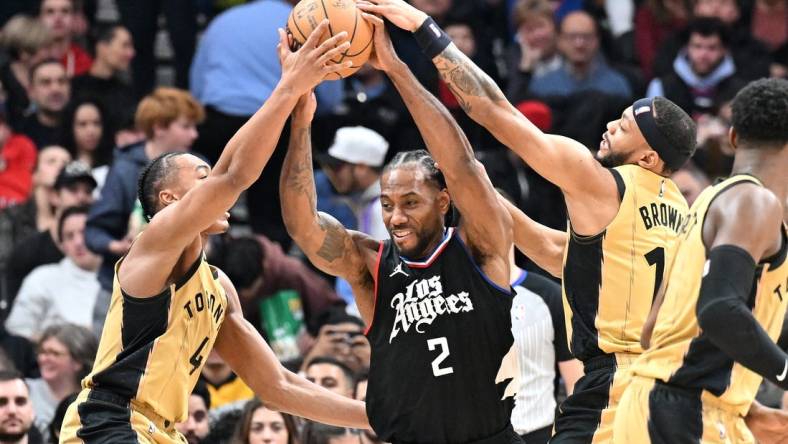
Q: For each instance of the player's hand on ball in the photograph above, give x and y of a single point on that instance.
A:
(398, 12)
(383, 55)
(304, 68)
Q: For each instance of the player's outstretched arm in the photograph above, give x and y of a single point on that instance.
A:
(736, 244)
(242, 347)
(562, 161)
(543, 245)
(468, 184)
(770, 426)
(247, 152)
(328, 245)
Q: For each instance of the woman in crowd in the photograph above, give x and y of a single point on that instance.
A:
(260, 425)
(65, 355)
(85, 136)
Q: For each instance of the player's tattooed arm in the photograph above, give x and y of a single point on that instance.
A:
(472, 87)
(327, 243)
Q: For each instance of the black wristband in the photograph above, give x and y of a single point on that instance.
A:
(431, 38)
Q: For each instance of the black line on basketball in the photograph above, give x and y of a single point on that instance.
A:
(298, 28)
(325, 12)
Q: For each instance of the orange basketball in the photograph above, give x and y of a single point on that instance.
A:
(342, 16)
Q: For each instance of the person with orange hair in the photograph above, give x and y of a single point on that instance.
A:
(168, 118)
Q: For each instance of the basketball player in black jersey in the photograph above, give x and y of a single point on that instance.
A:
(169, 307)
(436, 299)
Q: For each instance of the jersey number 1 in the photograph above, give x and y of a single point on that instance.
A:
(656, 257)
(436, 363)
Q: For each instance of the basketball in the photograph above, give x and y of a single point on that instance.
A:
(342, 16)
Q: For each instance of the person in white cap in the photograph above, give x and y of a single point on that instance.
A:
(353, 165)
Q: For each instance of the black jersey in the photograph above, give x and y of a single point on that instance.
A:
(442, 349)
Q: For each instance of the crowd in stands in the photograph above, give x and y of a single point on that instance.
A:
(84, 106)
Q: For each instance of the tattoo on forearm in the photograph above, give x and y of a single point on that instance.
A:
(333, 246)
(301, 176)
(466, 80)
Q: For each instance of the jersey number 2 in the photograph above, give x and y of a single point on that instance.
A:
(436, 363)
(656, 257)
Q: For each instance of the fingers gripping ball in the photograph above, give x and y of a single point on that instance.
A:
(342, 16)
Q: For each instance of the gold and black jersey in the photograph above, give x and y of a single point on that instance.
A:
(152, 349)
(680, 354)
(610, 279)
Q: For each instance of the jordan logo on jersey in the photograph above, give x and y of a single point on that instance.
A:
(422, 302)
(398, 269)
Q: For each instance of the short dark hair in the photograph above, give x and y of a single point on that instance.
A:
(351, 377)
(759, 113)
(104, 33)
(424, 160)
(10, 375)
(241, 259)
(34, 69)
(676, 126)
(152, 177)
(707, 27)
(201, 390)
(68, 212)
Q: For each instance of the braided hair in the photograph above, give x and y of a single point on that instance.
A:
(151, 179)
(424, 160)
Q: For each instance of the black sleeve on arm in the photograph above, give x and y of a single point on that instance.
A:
(724, 317)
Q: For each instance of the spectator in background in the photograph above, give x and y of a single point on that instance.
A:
(63, 292)
(316, 433)
(168, 117)
(691, 181)
(57, 419)
(26, 42)
(331, 374)
(583, 67)
(196, 427)
(16, 411)
(85, 135)
(702, 72)
(341, 336)
(49, 93)
(114, 51)
(260, 425)
(141, 18)
(770, 22)
(224, 386)
(279, 294)
(65, 356)
(751, 57)
(58, 16)
(17, 161)
(534, 52)
(233, 73)
(655, 21)
(73, 187)
(21, 221)
(19, 352)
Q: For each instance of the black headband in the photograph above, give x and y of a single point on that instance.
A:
(643, 110)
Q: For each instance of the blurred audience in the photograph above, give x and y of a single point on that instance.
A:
(105, 82)
(63, 292)
(197, 426)
(73, 187)
(331, 374)
(49, 93)
(59, 17)
(260, 425)
(224, 386)
(65, 356)
(17, 411)
(702, 72)
(24, 42)
(535, 48)
(17, 161)
(86, 136)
